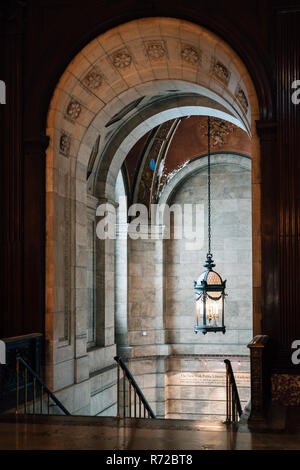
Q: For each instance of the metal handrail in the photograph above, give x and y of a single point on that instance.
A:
(233, 404)
(137, 391)
(42, 385)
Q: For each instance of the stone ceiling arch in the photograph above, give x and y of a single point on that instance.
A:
(147, 118)
(192, 167)
(144, 51)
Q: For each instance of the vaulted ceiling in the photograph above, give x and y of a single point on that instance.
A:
(160, 153)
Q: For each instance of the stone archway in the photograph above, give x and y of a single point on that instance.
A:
(155, 68)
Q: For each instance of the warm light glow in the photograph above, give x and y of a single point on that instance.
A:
(212, 309)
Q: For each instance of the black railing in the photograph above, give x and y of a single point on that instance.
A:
(233, 404)
(36, 394)
(29, 348)
(133, 401)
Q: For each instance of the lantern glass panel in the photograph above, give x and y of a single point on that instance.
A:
(199, 308)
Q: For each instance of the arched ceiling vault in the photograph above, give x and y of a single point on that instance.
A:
(164, 151)
(122, 76)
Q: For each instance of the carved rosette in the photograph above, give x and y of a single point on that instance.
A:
(190, 54)
(92, 79)
(121, 59)
(155, 49)
(219, 131)
(241, 96)
(73, 110)
(220, 71)
(64, 144)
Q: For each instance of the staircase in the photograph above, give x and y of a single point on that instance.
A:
(29, 394)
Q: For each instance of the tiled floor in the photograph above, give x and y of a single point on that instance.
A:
(83, 432)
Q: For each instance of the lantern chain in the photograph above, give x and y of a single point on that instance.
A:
(208, 186)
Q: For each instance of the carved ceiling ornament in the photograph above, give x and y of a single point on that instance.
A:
(155, 49)
(241, 96)
(220, 71)
(149, 178)
(219, 131)
(190, 54)
(93, 79)
(73, 109)
(121, 59)
(64, 143)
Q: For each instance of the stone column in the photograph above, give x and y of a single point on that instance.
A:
(105, 280)
(145, 291)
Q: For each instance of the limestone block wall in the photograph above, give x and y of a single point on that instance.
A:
(232, 252)
(95, 395)
(145, 294)
(195, 386)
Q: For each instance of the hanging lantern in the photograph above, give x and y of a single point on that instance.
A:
(209, 296)
(209, 289)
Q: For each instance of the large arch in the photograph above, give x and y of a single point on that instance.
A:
(157, 69)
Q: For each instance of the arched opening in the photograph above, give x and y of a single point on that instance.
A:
(127, 83)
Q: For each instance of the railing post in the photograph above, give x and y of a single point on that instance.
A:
(129, 397)
(233, 404)
(118, 392)
(124, 393)
(227, 396)
(17, 385)
(260, 377)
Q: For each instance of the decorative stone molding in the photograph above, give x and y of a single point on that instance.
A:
(93, 79)
(190, 54)
(155, 49)
(241, 96)
(121, 59)
(220, 71)
(93, 156)
(219, 131)
(147, 179)
(73, 110)
(64, 144)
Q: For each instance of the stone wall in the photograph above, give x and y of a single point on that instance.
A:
(181, 374)
(231, 248)
(196, 388)
(189, 387)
